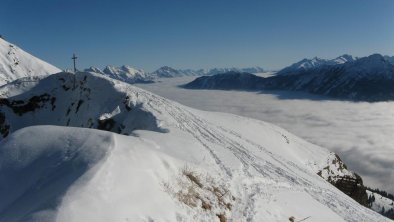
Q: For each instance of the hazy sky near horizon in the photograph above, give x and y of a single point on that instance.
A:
(197, 34)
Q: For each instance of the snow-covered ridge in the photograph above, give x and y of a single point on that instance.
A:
(265, 172)
(16, 63)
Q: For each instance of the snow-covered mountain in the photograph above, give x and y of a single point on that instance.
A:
(131, 75)
(367, 79)
(124, 73)
(307, 64)
(160, 161)
(16, 63)
(168, 72)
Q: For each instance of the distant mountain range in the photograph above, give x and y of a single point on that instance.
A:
(132, 75)
(124, 73)
(168, 72)
(369, 78)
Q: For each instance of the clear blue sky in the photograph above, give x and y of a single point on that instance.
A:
(197, 34)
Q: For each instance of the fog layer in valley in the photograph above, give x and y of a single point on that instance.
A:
(361, 133)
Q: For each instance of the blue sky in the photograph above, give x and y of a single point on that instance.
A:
(197, 34)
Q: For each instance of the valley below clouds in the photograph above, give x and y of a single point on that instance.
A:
(361, 133)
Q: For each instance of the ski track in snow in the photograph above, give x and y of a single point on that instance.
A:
(209, 135)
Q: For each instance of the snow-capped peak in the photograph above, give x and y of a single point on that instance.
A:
(127, 74)
(16, 63)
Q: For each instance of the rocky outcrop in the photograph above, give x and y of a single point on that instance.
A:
(353, 187)
(348, 182)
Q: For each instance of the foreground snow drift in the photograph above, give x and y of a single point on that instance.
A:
(184, 165)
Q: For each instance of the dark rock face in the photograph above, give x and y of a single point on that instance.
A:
(20, 107)
(353, 187)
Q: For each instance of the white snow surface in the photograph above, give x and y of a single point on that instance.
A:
(16, 63)
(58, 173)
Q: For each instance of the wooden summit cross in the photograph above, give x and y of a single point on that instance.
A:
(74, 58)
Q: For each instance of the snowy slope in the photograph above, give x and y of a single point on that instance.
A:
(381, 204)
(177, 164)
(307, 64)
(16, 63)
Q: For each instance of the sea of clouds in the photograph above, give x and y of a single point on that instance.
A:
(361, 133)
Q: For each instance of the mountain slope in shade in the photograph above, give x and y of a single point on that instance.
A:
(16, 63)
(227, 81)
(176, 164)
(307, 64)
